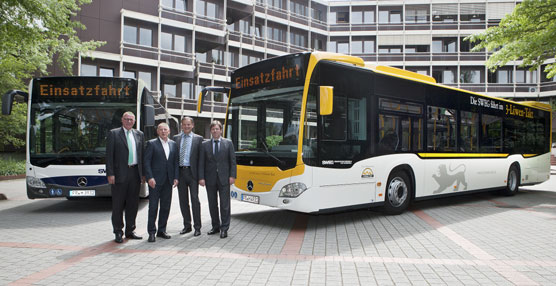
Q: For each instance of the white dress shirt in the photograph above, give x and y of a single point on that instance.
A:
(166, 147)
(134, 145)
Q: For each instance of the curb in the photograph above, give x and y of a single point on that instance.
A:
(13, 177)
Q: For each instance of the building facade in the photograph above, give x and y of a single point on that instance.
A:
(178, 46)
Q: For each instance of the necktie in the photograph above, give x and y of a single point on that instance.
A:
(216, 147)
(183, 149)
(130, 147)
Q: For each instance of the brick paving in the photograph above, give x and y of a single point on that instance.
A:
(481, 239)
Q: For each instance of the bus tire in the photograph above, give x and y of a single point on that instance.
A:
(512, 183)
(399, 191)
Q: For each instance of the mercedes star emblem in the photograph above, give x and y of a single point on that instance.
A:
(82, 181)
(250, 185)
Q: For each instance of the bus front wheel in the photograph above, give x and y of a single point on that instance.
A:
(512, 183)
(398, 193)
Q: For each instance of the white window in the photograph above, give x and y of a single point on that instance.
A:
(88, 70)
(130, 34)
(106, 72)
(128, 74)
(166, 41)
(146, 77)
(145, 37)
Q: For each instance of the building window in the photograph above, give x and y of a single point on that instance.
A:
(390, 49)
(298, 8)
(362, 46)
(444, 45)
(217, 57)
(417, 49)
(166, 41)
(88, 70)
(208, 9)
(317, 15)
(390, 17)
(444, 74)
(444, 12)
(128, 74)
(342, 17)
(417, 14)
(276, 34)
(470, 75)
(169, 89)
(130, 34)
(145, 37)
(362, 17)
(525, 76)
(146, 78)
(298, 39)
(180, 5)
(275, 3)
(503, 75)
(472, 12)
(179, 43)
(108, 72)
(187, 90)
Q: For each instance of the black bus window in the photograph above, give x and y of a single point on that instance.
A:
(388, 139)
(335, 124)
(310, 131)
(469, 131)
(441, 129)
(491, 133)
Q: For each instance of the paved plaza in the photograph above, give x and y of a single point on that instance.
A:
(481, 239)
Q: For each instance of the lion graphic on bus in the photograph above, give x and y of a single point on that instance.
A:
(451, 178)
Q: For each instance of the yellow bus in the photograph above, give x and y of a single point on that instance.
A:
(321, 132)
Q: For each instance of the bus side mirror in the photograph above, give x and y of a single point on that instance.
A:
(149, 115)
(8, 100)
(204, 92)
(326, 100)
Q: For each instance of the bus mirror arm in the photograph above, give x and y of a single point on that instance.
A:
(204, 92)
(8, 99)
(326, 100)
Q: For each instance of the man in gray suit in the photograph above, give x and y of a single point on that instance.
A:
(217, 170)
(161, 172)
(124, 165)
(189, 145)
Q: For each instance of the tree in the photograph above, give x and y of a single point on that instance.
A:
(32, 33)
(13, 127)
(527, 34)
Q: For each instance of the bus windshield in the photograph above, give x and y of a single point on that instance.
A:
(264, 126)
(69, 133)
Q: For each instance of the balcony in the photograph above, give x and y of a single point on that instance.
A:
(417, 56)
(500, 87)
(418, 26)
(176, 15)
(476, 87)
(445, 56)
(140, 51)
(548, 86)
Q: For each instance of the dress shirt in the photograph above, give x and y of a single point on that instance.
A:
(186, 140)
(166, 147)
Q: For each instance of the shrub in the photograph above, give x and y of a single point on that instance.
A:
(9, 167)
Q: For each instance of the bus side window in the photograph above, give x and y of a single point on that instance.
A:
(491, 133)
(335, 124)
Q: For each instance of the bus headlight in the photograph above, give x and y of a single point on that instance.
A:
(35, 182)
(292, 190)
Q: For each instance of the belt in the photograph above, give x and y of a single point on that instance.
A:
(132, 166)
(185, 167)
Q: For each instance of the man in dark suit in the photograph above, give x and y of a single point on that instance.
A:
(124, 163)
(217, 170)
(161, 172)
(189, 144)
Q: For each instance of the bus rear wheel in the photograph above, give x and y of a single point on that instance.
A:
(398, 193)
(512, 183)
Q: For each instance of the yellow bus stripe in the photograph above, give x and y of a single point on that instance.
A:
(462, 155)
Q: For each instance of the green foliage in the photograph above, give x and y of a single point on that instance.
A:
(271, 141)
(9, 167)
(32, 33)
(528, 34)
(13, 127)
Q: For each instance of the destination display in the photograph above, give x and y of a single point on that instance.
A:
(280, 72)
(84, 89)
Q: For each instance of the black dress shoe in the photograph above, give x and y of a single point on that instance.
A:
(197, 232)
(133, 235)
(213, 231)
(185, 230)
(163, 235)
(119, 238)
(224, 234)
(151, 237)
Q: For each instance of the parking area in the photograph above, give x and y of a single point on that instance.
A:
(481, 239)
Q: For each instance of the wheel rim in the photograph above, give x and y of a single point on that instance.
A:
(397, 192)
(512, 180)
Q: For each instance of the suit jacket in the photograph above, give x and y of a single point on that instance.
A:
(194, 154)
(220, 167)
(117, 153)
(156, 164)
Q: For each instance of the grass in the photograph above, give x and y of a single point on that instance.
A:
(12, 164)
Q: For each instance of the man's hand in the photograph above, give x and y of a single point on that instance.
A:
(232, 180)
(175, 183)
(143, 180)
(152, 183)
(111, 180)
(202, 183)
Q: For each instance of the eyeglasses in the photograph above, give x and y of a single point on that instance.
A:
(128, 119)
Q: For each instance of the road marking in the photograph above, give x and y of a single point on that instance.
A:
(297, 234)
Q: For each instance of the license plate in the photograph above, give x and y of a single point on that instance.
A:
(82, 193)
(250, 199)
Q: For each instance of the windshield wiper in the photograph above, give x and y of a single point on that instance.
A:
(267, 152)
